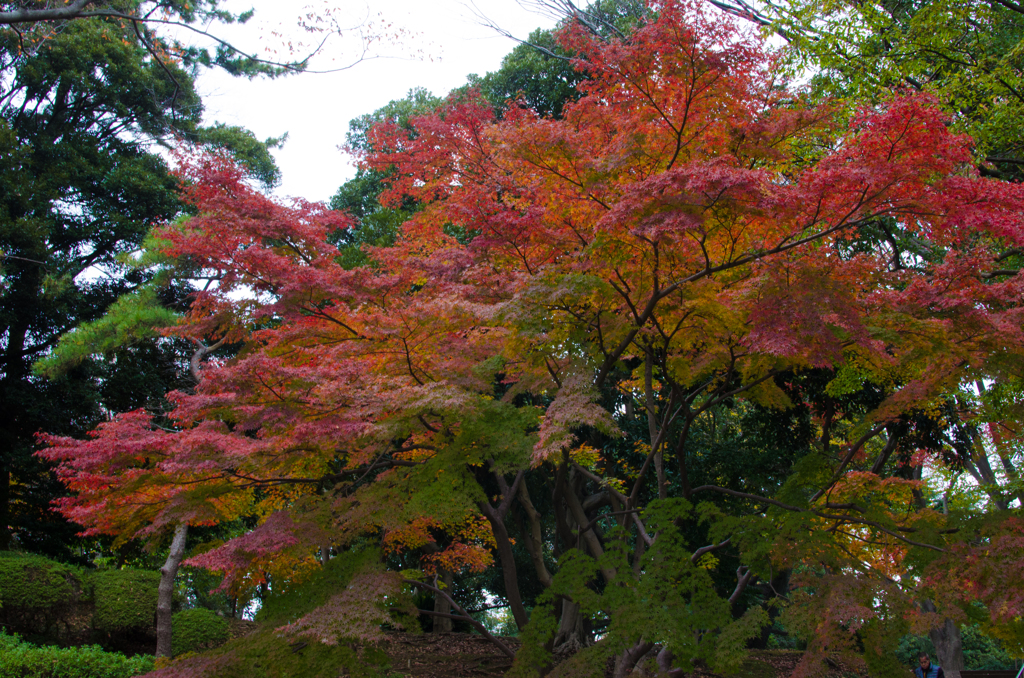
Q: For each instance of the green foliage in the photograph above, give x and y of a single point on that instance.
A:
(669, 600)
(196, 630)
(249, 151)
(418, 101)
(36, 593)
(533, 656)
(499, 622)
(125, 599)
(375, 225)
(19, 659)
(590, 662)
(129, 320)
(968, 55)
(538, 74)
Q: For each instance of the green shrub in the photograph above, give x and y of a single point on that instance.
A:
(19, 659)
(36, 593)
(197, 629)
(125, 599)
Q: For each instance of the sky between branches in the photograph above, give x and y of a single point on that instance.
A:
(314, 109)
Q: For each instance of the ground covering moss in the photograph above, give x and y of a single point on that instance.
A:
(267, 654)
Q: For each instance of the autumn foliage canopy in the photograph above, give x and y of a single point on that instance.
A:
(585, 308)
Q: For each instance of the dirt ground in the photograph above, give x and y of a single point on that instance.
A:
(462, 654)
(447, 654)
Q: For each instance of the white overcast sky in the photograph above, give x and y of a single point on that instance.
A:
(315, 109)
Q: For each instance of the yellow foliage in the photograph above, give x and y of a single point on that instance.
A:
(585, 456)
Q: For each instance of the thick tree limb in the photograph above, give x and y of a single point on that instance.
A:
(200, 353)
(621, 497)
(743, 576)
(535, 540)
(587, 535)
(73, 10)
(708, 549)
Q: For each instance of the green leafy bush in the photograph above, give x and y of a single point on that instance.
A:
(983, 652)
(19, 659)
(197, 629)
(125, 599)
(36, 593)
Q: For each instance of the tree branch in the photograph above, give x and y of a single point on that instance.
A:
(829, 516)
(465, 615)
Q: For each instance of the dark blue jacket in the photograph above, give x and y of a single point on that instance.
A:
(932, 672)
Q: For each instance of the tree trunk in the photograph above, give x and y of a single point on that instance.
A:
(586, 531)
(5, 514)
(443, 605)
(534, 540)
(625, 662)
(508, 564)
(166, 591)
(948, 644)
(665, 659)
(572, 635)
(949, 648)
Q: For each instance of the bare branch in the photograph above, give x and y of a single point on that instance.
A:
(73, 10)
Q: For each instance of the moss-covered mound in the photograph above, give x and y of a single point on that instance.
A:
(266, 654)
(196, 630)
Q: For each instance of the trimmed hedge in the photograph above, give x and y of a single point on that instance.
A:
(196, 630)
(19, 659)
(36, 593)
(125, 599)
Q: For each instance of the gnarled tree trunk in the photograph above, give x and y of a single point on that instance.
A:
(948, 644)
(572, 635)
(166, 591)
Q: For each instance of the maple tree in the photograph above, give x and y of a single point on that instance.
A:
(606, 304)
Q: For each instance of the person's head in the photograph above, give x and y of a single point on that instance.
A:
(924, 660)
